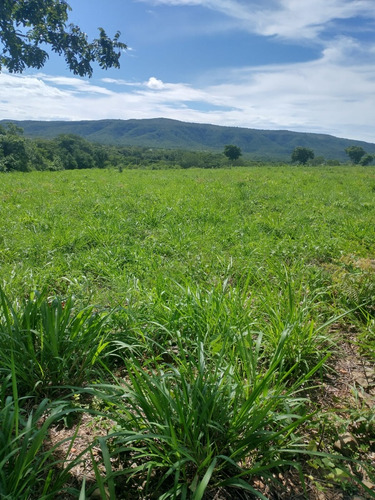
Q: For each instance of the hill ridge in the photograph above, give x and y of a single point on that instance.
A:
(167, 133)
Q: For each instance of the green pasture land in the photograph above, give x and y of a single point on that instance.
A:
(96, 233)
(197, 316)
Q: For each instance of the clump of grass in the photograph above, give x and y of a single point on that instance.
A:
(290, 304)
(196, 423)
(28, 467)
(366, 338)
(356, 291)
(49, 343)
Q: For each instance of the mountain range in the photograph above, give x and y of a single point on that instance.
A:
(172, 134)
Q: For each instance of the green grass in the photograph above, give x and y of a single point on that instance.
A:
(221, 298)
(94, 233)
(28, 465)
(47, 343)
(198, 422)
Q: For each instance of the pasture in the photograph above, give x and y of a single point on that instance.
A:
(188, 333)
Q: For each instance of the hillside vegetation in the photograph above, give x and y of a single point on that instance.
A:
(70, 152)
(191, 334)
(275, 145)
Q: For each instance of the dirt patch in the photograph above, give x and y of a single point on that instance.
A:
(76, 445)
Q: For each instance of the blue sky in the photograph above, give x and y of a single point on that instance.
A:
(303, 65)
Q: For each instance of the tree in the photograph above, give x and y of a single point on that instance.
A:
(75, 152)
(232, 152)
(355, 153)
(302, 155)
(28, 27)
(366, 160)
(14, 154)
(317, 161)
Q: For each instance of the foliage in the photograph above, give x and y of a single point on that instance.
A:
(232, 152)
(366, 159)
(25, 467)
(189, 424)
(14, 151)
(319, 160)
(297, 314)
(355, 153)
(48, 344)
(70, 151)
(302, 155)
(66, 152)
(26, 27)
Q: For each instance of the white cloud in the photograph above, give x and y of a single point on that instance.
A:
(298, 19)
(334, 94)
(290, 19)
(118, 81)
(155, 84)
(75, 84)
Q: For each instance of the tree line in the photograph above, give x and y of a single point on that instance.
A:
(357, 155)
(69, 152)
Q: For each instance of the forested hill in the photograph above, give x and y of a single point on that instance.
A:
(173, 134)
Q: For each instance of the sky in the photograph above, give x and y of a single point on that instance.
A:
(301, 65)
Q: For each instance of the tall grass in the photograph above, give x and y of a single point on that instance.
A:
(49, 344)
(29, 465)
(289, 303)
(206, 418)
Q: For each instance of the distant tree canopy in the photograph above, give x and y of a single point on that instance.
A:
(14, 154)
(366, 159)
(18, 153)
(302, 155)
(232, 152)
(28, 25)
(68, 152)
(355, 153)
(358, 155)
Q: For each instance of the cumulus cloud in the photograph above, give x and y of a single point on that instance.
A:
(155, 84)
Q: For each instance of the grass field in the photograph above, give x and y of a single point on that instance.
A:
(188, 333)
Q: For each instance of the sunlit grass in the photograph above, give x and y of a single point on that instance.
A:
(215, 290)
(94, 232)
(48, 344)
